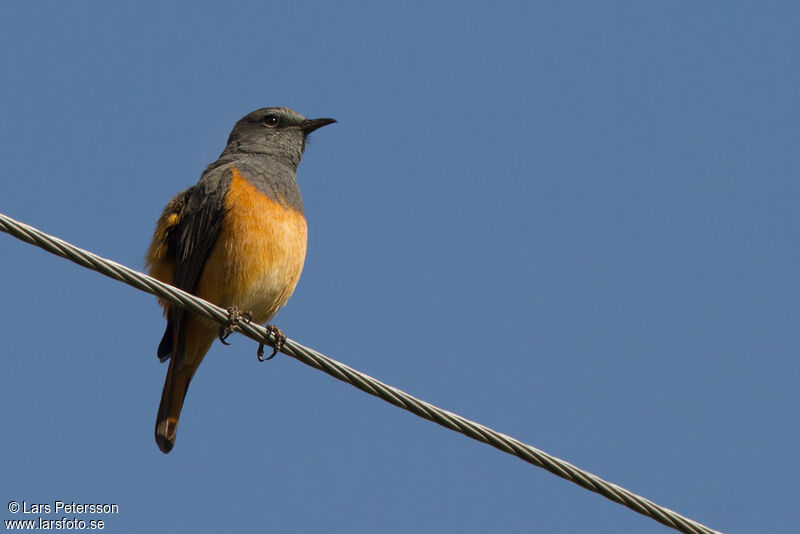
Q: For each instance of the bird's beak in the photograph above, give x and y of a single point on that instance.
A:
(309, 125)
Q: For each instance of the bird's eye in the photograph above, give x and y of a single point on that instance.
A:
(271, 120)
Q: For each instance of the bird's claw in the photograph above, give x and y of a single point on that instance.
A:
(235, 317)
(280, 341)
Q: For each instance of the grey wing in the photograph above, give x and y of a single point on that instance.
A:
(190, 242)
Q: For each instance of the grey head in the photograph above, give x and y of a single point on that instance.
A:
(279, 133)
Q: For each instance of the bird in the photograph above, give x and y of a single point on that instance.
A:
(237, 238)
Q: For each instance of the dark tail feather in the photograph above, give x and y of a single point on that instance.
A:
(165, 347)
(169, 411)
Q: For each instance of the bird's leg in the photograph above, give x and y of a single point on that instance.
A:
(234, 318)
(280, 340)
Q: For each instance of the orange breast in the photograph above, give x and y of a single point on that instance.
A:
(259, 255)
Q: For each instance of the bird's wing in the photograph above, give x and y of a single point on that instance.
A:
(198, 227)
(185, 236)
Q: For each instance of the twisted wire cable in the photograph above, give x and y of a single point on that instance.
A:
(358, 379)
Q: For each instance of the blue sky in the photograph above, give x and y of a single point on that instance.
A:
(574, 222)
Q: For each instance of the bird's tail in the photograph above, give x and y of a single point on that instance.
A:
(169, 411)
(183, 362)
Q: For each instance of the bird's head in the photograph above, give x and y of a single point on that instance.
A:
(279, 132)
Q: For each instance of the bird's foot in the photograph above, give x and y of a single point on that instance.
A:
(235, 317)
(280, 340)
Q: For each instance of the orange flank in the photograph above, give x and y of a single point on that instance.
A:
(162, 267)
